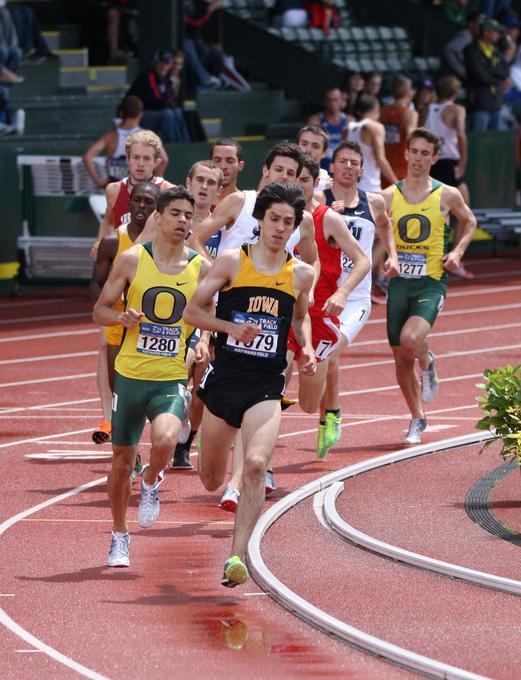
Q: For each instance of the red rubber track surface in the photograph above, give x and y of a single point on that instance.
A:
(167, 614)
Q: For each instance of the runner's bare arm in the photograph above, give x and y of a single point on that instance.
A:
(163, 162)
(307, 249)
(384, 229)
(90, 154)
(335, 228)
(122, 273)
(378, 137)
(452, 199)
(225, 214)
(105, 256)
(199, 310)
(107, 225)
(301, 323)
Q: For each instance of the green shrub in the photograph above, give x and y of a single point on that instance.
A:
(502, 404)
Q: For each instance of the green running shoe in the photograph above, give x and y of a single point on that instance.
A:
(332, 430)
(235, 573)
(321, 448)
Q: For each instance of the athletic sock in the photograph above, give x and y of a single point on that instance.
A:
(334, 411)
(321, 422)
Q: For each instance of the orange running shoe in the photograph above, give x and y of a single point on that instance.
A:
(286, 403)
(102, 433)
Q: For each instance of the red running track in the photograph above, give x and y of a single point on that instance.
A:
(168, 614)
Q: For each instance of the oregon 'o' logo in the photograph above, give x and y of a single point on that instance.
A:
(148, 304)
(403, 228)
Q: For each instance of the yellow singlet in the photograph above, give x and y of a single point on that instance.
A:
(421, 234)
(155, 349)
(114, 334)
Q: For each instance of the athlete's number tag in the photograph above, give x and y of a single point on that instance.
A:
(160, 341)
(347, 264)
(412, 265)
(264, 345)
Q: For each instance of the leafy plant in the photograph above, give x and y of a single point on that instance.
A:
(502, 404)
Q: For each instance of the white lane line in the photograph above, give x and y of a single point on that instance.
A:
(49, 357)
(465, 310)
(7, 595)
(483, 291)
(461, 331)
(15, 409)
(44, 437)
(51, 317)
(43, 336)
(29, 651)
(14, 627)
(47, 380)
(36, 416)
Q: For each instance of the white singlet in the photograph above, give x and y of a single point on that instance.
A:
(449, 139)
(244, 228)
(371, 177)
(117, 167)
(324, 180)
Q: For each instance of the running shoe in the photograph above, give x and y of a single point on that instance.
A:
(430, 383)
(332, 430)
(186, 426)
(102, 433)
(138, 468)
(230, 498)
(235, 572)
(269, 482)
(416, 428)
(148, 510)
(286, 403)
(181, 459)
(118, 553)
(321, 448)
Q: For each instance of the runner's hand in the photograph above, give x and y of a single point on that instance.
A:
(94, 250)
(338, 206)
(391, 267)
(451, 261)
(244, 332)
(130, 318)
(307, 362)
(202, 352)
(335, 304)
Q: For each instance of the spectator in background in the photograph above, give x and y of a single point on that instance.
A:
(110, 30)
(161, 112)
(455, 11)
(373, 84)
(399, 120)
(452, 56)
(10, 53)
(323, 14)
(486, 72)
(446, 120)
(423, 97)
(333, 120)
(289, 13)
(354, 88)
(30, 38)
(112, 144)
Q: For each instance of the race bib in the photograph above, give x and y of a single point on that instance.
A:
(412, 265)
(264, 345)
(156, 340)
(347, 264)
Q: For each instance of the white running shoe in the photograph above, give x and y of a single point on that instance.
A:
(430, 383)
(230, 498)
(186, 425)
(118, 553)
(148, 510)
(416, 428)
(269, 482)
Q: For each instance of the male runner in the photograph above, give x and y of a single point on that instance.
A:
(313, 140)
(262, 290)
(364, 213)
(113, 144)
(159, 278)
(333, 238)
(204, 182)
(142, 204)
(420, 206)
(143, 150)
(333, 120)
(226, 153)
